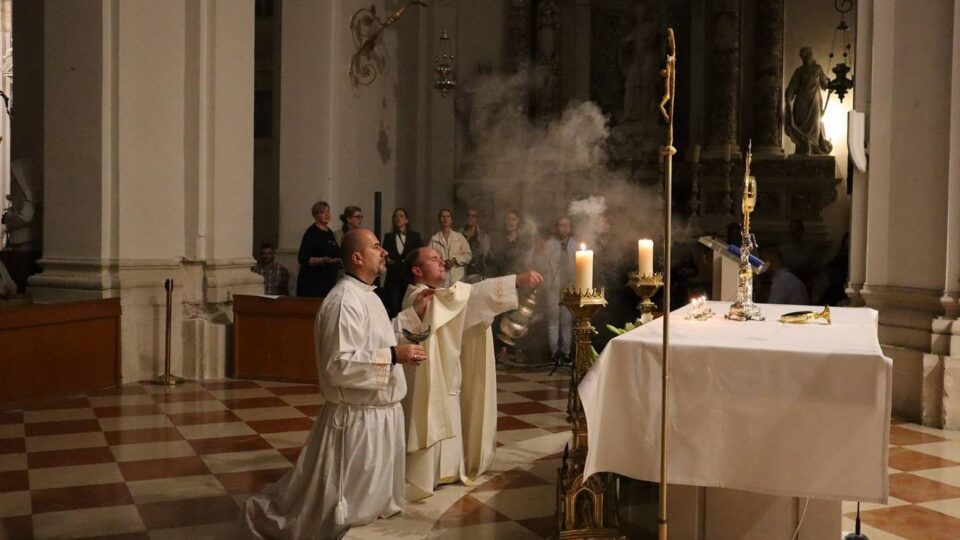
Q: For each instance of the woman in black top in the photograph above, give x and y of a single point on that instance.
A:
(398, 244)
(319, 255)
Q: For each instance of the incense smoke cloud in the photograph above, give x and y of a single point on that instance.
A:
(546, 170)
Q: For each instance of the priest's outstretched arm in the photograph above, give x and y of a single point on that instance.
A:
(492, 297)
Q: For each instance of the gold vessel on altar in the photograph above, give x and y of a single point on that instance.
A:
(801, 317)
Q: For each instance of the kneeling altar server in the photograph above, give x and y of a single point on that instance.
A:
(351, 469)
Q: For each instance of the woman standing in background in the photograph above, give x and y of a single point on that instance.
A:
(398, 243)
(352, 218)
(319, 255)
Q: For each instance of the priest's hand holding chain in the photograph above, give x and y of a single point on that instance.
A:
(422, 301)
(529, 280)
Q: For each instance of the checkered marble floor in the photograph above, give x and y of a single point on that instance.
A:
(151, 462)
(154, 462)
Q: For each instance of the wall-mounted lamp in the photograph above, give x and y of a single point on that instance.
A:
(841, 84)
(445, 81)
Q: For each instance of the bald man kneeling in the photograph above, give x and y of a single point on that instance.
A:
(351, 469)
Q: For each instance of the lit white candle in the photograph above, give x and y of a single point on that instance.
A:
(583, 278)
(645, 257)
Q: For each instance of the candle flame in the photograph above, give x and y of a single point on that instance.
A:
(583, 247)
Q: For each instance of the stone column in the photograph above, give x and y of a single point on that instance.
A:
(218, 178)
(153, 181)
(859, 200)
(307, 127)
(908, 213)
(768, 82)
(547, 96)
(951, 287)
(519, 35)
(576, 31)
(945, 342)
(723, 77)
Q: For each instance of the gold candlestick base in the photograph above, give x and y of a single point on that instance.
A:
(585, 508)
(645, 286)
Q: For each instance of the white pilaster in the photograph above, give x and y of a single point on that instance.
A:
(951, 286)
(148, 153)
(859, 201)
(906, 249)
(309, 67)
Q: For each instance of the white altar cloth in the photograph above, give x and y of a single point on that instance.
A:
(792, 410)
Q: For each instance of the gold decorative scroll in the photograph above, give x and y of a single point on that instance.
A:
(367, 28)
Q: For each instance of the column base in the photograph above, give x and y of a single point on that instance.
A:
(951, 304)
(950, 417)
(853, 293)
(906, 332)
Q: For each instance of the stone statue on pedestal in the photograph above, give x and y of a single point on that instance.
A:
(20, 219)
(638, 131)
(639, 62)
(804, 107)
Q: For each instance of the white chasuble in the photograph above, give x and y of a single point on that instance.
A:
(351, 469)
(451, 408)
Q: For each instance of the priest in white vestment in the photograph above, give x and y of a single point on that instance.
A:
(451, 405)
(351, 469)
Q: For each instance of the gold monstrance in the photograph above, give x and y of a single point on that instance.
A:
(743, 309)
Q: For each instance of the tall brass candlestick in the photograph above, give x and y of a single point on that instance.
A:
(669, 74)
(585, 508)
(167, 378)
(645, 287)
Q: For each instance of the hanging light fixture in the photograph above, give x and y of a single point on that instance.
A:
(841, 83)
(445, 81)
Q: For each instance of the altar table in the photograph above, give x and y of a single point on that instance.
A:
(795, 410)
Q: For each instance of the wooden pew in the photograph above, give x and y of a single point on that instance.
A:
(51, 350)
(273, 338)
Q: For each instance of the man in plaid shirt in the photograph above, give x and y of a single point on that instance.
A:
(276, 278)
